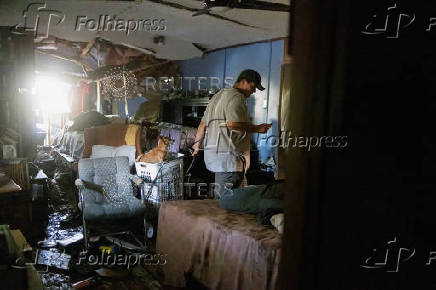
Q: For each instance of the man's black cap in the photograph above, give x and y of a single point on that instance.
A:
(251, 76)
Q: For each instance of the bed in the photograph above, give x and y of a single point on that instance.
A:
(219, 248)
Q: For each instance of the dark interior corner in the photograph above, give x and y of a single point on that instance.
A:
(353, 205)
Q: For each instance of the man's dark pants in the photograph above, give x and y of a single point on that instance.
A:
(226, 180)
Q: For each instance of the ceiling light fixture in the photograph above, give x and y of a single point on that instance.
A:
(159, 40)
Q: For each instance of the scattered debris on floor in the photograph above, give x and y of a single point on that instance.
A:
(59, 254)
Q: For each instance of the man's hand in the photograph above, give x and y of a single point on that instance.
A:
(263, 128)
(198, 138)
(195, 151)
(195, 148)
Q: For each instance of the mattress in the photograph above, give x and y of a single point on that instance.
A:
(219, 248)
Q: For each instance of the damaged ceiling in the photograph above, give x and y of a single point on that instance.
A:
(164, 28)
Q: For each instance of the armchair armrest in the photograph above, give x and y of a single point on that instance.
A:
(81, 184)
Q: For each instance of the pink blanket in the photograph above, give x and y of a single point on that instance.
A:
(222, 249)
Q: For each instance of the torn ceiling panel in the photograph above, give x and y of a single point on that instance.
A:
(184, 36)
(65, 49)
(99, 56)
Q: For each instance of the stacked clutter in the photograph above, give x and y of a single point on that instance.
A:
(162, 181)
(87, 120)
(18, 171)
(183, 136)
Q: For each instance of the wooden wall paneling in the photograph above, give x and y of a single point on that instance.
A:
(24, 70)
(284, 109)
(312, 39)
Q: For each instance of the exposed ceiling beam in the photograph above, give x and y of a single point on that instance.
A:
(88, 47)
(76, 61)
(179, 6)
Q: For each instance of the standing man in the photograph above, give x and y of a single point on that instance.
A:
(225, 129)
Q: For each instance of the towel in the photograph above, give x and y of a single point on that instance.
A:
(130, 136)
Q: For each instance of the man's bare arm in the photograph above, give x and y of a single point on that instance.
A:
(199, 137)
(248, 127)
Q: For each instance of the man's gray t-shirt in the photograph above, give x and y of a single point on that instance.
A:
(222, 146)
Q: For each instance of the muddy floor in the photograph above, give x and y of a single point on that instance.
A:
(60, 267)
(63, 223)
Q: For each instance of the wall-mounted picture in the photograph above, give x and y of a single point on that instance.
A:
(9, 152)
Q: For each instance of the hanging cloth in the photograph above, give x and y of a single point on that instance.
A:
(130, 136)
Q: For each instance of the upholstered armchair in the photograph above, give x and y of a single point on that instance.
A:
(105, 188)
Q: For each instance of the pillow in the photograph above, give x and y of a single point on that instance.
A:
(11, 186)
(100, 151)
(278, 221)
(109, 135)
